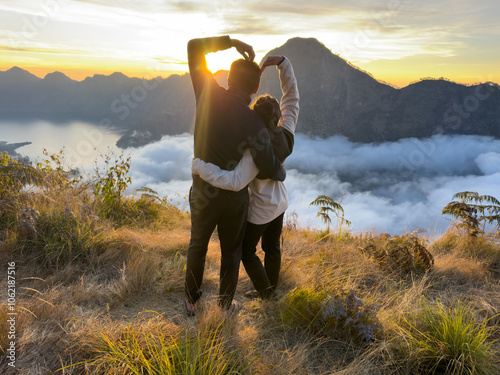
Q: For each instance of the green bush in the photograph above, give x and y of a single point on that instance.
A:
(145, 210)
(110, 182)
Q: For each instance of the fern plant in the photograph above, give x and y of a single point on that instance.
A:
(473, 211)
(405, 253)
(326, 206)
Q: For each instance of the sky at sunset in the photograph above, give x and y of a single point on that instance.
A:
(397, 41)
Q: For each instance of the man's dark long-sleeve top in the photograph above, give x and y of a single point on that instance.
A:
(225, 127)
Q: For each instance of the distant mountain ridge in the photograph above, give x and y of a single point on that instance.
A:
(336, 99)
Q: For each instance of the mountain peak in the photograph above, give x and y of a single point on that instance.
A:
(16, 70)
(16, 73)
(300, 41)
(114, 78)
(57, 77)
(309, 44)
(309, 50)
(118, 75)
(115, 75)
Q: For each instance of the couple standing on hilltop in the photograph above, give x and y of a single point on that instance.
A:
(237, 171)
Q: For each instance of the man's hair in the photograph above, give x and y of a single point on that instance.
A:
(245, 75)
(268, 110)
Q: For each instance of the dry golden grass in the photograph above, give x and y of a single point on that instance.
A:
(136, 285)
(452, 268)
(485, 249)
(41, 323)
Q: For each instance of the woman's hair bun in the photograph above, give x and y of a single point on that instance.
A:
(268, 110)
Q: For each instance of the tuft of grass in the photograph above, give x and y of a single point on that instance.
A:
(303, 306)
(449, 340)
(160, 348)
(485, 249)
(64, 237)
(451, 269)
(139, 273)
(143, 211)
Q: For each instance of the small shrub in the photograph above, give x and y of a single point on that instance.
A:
(14, 175)
(342, 312)
(147, 210)
(404, 253)
(449, 340)
(110, 183)
(55, 176)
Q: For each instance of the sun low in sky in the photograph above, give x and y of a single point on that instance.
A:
(397, 41)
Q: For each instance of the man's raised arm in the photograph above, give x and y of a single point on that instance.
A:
(201, 77)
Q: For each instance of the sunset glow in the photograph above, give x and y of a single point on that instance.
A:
(397, 41)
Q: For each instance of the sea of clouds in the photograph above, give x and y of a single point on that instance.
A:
(391, 187)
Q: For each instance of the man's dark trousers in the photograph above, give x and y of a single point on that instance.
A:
(211, 207)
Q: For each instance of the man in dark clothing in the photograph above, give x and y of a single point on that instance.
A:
(224, 128)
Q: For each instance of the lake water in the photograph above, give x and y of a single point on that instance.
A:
(83, 142)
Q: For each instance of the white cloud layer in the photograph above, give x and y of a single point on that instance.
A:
(390, 187)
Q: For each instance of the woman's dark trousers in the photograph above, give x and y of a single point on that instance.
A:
(264, 277)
